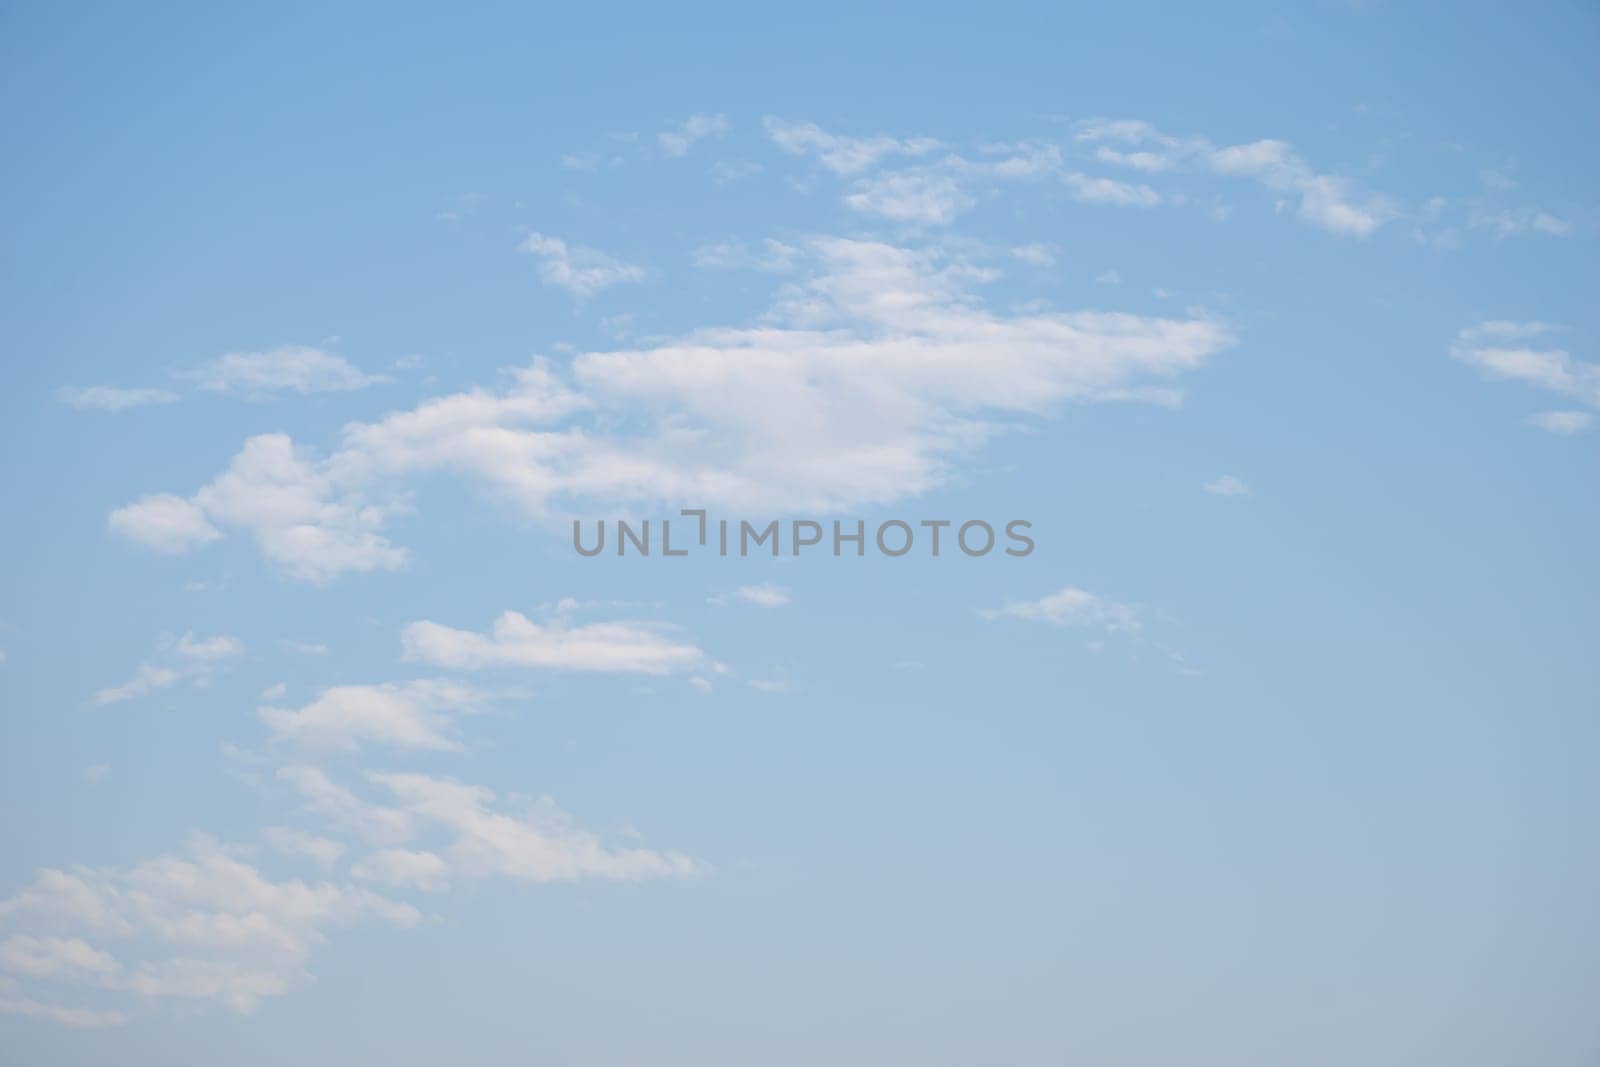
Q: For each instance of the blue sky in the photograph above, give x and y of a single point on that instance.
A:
(318, 742)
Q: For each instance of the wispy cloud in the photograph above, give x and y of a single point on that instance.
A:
(289, 368)
(112, 398)
(1516, 351)
(678, 139)
(188, 658)
(1227, 485)
(839, 153)
(517, 641)
(1071, 606)
(579, 270)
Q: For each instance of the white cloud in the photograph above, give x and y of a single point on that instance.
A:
(324, 851)
(1565, 423)
(147, 679)
(1097, 190)
(765, 595)
(78, 1018)
(342, 808)
(1500, 183)
(1326, 201)
(517, 641)
(1072, 607)
(677, 140)
(289, 504)
(874, 372)
(56, 958)
(1038, 255)
(289, 368)
(398, 714)
(841, 154)
(579, 270)
(164, 523)
(1514, 222)
(1512, 351)
(1108, 277)
(540, 845)
(189, 658)
(201, 926)
(1227, 485)
(112, 398)
(773, 257)
(910, 196)
(726, 172)
(401, 868)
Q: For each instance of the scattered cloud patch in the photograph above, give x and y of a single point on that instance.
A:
(413, 715)
(581, 271)
(112, 398)
(677, 140)
(189, 658)
(199, 927)
(517, 641)
(765, 595)
(1564, 423)
(1227, 485)
(290, 368)
(876, 369)
(842, 154)
(1072, 607)
(1518, 352)
(910, 196)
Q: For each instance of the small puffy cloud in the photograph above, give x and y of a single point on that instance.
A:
(289, 368)
(294, 508)
(207, 650)
(579, 270)
(765, 595)
(1565, 423)
(112, 398)
(1072, 607)
(164, 523)
(1227, 485)
(517, 641)
(397, 714)
(841, 154)
(677, 140)
(910, 196)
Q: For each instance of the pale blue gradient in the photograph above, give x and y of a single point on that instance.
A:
(1334, 804)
